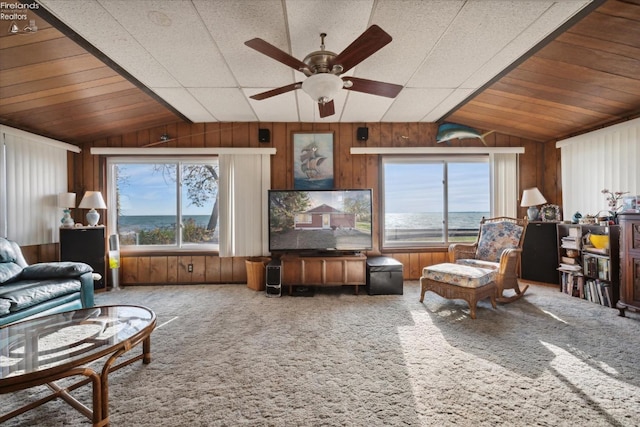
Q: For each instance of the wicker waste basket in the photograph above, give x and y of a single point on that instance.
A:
(256, 272)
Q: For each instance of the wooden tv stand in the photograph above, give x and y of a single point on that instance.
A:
(323, 270)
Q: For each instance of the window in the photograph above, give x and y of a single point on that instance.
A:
(164, 203)
(430, 201)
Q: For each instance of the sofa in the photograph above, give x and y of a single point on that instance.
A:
(43, 288)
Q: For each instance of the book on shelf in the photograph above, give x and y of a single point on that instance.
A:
(570, 267)
(574, 231)
(595, 250)
(570, 243)
(568, 260)
(598, 292)
(571, 282)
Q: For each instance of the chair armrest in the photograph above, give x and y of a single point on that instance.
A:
(509, 261)
(462, 251)
(55, 270)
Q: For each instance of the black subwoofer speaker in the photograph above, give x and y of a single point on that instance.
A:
(264, 135)
(363, 134)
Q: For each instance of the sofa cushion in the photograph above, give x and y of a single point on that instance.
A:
(495, 238)
(5, 306)
(48, 270)
(459, 275)
(27, 293)
(9, 271)
(479, 263)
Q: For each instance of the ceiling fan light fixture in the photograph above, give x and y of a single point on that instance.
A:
(322, 88)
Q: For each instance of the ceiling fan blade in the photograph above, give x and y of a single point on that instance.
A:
(279, 55)
(369, 42)
(373, 87)
(276, 91)
(327, 109)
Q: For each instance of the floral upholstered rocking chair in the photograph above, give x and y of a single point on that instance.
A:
(499, 247)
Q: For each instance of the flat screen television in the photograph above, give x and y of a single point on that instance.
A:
(320, 221)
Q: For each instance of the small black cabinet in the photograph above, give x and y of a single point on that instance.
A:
(85, 244)
(384, 276)
(539, 261)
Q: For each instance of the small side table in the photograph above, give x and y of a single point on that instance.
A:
(384, 276)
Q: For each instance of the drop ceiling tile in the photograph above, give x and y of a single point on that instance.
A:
(281, 108)
(413, 104)
(361, 107)
(232, 23)
(447, 104)
(225, 104)
(342, 21)
(173, 33)
(184, 102)
(416, 27)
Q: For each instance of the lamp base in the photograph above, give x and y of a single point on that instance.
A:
(533, 213)
(93, 217)
(67, 221)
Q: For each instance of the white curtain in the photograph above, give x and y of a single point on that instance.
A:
(33, 170)
(244, 182)
(504, 184)
(604, 159)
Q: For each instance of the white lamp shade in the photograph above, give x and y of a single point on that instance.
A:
(92, 200)
(532, 197)
(322, 87)
(67, 200)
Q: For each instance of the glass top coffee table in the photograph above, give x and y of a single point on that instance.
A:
(45, 349)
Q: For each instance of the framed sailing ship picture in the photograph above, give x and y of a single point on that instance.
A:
(313, 167)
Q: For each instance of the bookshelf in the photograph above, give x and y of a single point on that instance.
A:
(585, 271)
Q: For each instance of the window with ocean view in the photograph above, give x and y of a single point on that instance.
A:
(164, 203)
(430, 201)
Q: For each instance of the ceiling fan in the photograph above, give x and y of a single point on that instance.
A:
(323, 69)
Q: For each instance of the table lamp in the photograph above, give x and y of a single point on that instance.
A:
(67, 201)
(531, 198)
(92, 200)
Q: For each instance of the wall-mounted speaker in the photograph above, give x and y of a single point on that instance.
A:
(264, 135)
(362, 134)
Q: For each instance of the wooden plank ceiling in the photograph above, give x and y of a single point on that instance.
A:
(587, 77)
(51, 86)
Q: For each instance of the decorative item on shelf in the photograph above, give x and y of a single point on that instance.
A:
(588, 220)
(550, 213)
(599, 241)
(613, 200)
(531, 198)
(576, 218)
(631, 204)
(92, 200)
(67, 201)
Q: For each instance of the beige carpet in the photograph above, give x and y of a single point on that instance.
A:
(228, 356)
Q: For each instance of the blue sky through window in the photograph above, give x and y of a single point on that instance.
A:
(417, 187)
(145, 191)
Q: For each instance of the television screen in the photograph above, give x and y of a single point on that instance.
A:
(320, 220)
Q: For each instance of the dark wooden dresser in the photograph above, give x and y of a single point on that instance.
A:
(629, 262)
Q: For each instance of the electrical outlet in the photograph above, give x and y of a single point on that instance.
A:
(190, 268)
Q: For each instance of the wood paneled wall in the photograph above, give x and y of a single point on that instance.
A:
(539, 166)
